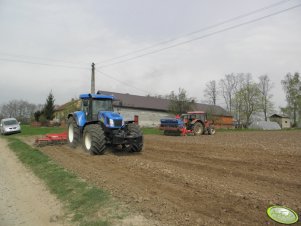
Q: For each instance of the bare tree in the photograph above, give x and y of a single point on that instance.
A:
(228, 88)
(248, 96)
(210, 92)
(265, 87)
(292, 86)
(20, 109)
(180, 103)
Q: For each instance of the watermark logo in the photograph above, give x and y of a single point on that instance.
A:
(282, 214)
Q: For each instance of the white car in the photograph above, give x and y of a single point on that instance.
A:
(9, 126)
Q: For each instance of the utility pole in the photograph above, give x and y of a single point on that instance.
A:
(93, 79)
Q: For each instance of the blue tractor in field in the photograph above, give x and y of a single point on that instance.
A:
(96, 125)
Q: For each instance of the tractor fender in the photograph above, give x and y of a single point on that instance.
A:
(195, 121)
(80, 118)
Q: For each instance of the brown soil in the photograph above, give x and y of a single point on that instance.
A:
(230, 178)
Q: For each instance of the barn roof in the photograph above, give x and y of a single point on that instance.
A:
(278, 116)
(159, 104)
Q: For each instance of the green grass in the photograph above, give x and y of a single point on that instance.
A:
(82, 201)
(29, 130)
(154, 131)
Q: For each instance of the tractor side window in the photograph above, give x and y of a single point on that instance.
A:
(85, 105)
(202, 117)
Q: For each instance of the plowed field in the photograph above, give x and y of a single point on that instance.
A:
(230, 178)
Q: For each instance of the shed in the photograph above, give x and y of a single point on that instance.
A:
(282, 120)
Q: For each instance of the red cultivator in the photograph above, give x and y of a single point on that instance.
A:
(52, 139)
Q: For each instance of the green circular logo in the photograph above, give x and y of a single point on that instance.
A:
(282, 214)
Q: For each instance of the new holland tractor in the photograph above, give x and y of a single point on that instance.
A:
(192, 123)
(96, 126)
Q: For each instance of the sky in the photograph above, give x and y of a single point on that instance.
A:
(49, 45)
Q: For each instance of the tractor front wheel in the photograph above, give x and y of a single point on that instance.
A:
(73, 132)
(211, 130)
(138, 145)
(198, 129)
(94, 140)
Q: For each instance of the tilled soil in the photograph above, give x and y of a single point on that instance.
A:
(230, 178)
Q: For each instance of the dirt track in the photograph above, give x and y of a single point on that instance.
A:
(24, 199)
(226, 179)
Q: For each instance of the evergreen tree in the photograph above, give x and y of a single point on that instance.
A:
(49, 107)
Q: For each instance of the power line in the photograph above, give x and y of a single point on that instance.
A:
(42, 64)
(82, 68)
(197, 31)
(203, 36)
(39, 58)
(125, 83)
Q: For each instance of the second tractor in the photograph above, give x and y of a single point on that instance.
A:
(194, 123)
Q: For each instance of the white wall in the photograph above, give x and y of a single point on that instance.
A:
(146, 118)
(286, 123)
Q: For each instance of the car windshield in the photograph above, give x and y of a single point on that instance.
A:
(102, 105)
(10, 122)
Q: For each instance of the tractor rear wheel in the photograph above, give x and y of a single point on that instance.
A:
(198, 129)
(73, 133)
(94, 139)
(138, 145)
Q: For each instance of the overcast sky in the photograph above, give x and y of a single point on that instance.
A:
(77, 33)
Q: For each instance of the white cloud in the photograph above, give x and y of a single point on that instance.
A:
(82, 32)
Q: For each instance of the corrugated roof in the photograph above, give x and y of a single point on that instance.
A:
(278, 116)
(153, 103)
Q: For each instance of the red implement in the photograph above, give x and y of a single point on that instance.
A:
(52, 139)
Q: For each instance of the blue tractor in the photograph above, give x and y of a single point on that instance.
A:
(96, 125)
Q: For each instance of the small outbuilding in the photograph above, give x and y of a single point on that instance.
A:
(282, 120)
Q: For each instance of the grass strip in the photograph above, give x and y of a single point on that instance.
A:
(30, 130)
(153, 131)
(82, 200)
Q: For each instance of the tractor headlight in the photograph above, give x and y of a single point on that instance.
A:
(111, 122)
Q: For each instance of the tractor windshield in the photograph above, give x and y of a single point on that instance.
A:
(101, 105)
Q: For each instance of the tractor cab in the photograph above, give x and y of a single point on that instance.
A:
(192, 117)
(98, 107)
(93, 104)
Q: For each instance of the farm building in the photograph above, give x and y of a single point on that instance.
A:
(282, 120)
(150, 110)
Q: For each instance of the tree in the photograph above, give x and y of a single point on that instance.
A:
(19, 109)
(210, 92)
(49, 107)
(248, 97)
(228, 88)
(292, 87)
(265, 87)
(37, 114)
(180, 103)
